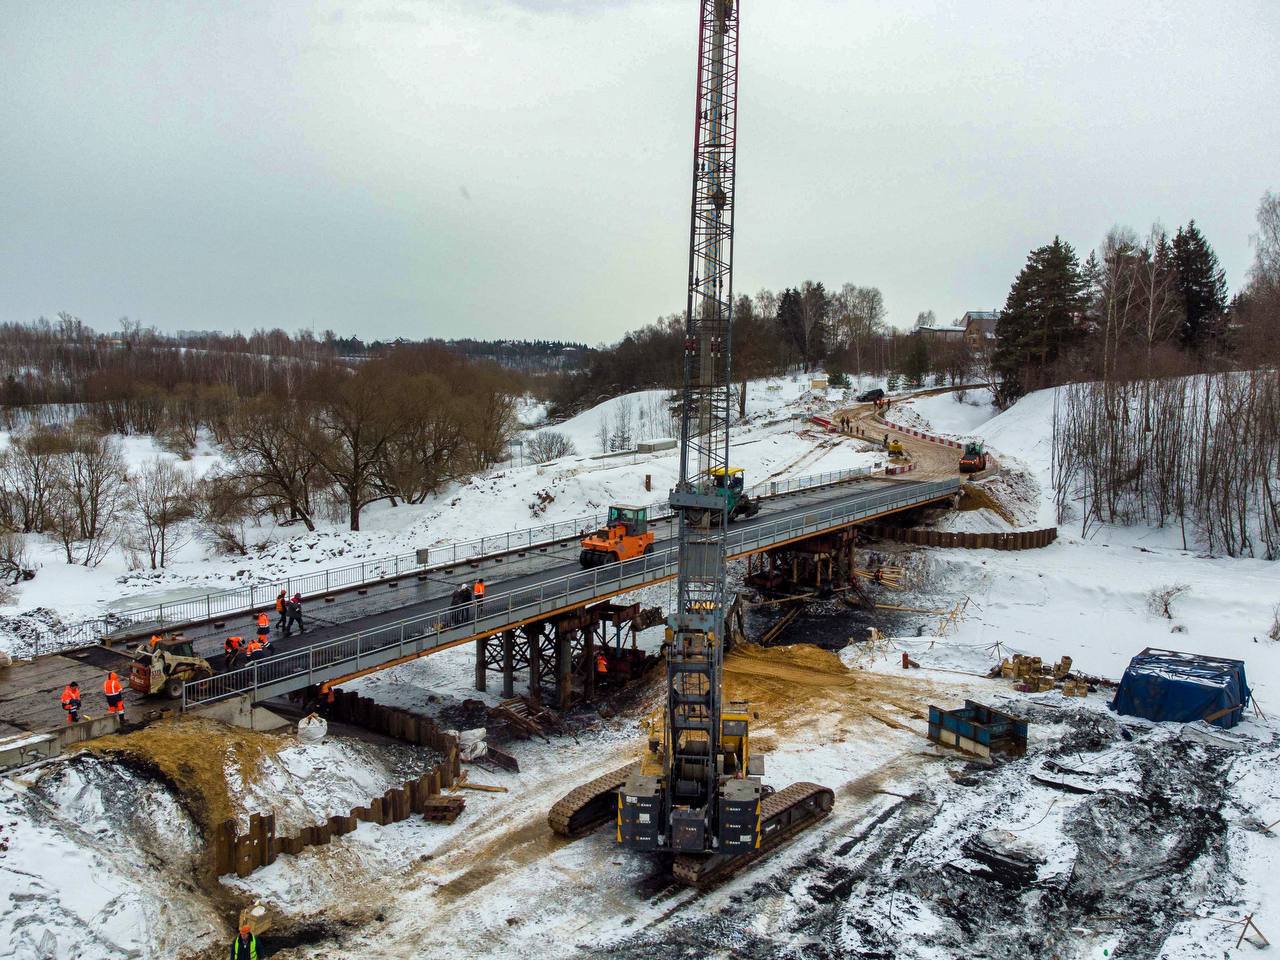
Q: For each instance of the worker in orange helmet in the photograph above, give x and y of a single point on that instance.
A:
(71, 701)
(245, 946)
(114, 693)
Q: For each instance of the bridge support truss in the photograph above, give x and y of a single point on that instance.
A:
(558, 655)
(822, 563)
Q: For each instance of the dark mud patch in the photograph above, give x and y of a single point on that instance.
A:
(935, 879)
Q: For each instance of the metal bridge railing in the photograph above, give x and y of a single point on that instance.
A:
(415, 635)
(772, 488)
(246, 599)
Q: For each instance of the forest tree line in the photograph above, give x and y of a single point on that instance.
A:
(398, 428)
(1171, 410)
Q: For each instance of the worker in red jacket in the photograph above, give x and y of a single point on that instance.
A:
(71, 701)
(231, 651)
(114, 693)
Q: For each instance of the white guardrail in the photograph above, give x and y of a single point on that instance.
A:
(240, 601)
(447, 626)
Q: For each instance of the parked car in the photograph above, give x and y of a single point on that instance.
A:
(867, 396)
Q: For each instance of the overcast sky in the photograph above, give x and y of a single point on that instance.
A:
(517, 168)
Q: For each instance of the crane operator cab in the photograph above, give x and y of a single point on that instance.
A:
(731, 482)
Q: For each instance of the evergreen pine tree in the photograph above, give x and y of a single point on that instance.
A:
(916, 364)
(791, 323)
(1202, 285)
(1043, 316)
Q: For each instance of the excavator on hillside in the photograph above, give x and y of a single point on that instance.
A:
(697, 793)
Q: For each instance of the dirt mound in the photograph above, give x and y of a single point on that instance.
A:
(193, 755)
(974, 496)
(792, 685)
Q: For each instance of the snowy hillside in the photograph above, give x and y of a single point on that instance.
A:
(1088, 597)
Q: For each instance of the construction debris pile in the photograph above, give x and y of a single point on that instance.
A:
(1032, 675)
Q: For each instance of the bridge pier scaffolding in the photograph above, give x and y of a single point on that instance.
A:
(817, 565)
(559, 653)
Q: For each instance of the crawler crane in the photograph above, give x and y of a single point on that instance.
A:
(697, 793)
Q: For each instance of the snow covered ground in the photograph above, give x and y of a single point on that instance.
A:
(956, 414)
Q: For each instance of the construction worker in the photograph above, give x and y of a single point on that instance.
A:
(602, 663)
(230, 651)
(253, 650)
(280, 601)
(245, 945)
(478, 593)
(459, 600)
(293, 614)
(114, 693)
(155, 640)
(71, 701)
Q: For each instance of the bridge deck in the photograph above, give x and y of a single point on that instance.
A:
(531, 587)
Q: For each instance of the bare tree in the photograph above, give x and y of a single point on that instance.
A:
(622, 438)
(162, 499)
(602, 431)
(356, 418)
(1266, 265)
(546, 445)
(27, 475)
(1160, 600)
(13, 558)
(269, 455)
(87, 500)
(223, 508)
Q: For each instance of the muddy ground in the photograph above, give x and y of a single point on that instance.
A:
(992, 863)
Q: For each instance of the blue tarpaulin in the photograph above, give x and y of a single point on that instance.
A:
(1182, 688)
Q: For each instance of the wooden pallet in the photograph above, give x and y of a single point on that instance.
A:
(443, 809)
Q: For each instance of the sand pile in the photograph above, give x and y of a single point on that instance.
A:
(194, 755)
(793, 685)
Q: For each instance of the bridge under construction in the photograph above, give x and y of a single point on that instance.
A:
(536, 585)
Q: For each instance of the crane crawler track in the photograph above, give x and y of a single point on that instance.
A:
(584, 808)
(782, 816)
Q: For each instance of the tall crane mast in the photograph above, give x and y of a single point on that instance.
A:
(695, 658)
(697, 792)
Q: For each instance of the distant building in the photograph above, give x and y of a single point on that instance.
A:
(949, 334)
(979, 328)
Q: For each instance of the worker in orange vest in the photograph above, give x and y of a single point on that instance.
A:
(114, 693)
(280, 609)
(602, 663)
(155, 640)
(253, 649)
(231, 650)
(71, 701)
(478, 592)
(264, 629)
